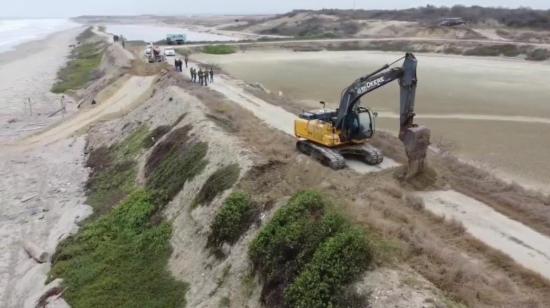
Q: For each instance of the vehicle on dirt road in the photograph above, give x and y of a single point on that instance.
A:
(169, 52)
(148, 51)
(156, 55)
(331, 135)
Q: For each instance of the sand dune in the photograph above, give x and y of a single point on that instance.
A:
(120, 101)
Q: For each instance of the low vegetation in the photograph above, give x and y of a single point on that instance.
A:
(114, 171)
(508, 50)
(120, 260)
(337, 262)
(219, 49)
(82, 66)
(174, 161)
(232, 220)
(85, 35)
(494, 50)
(155, 135)
(539, 54)
(315, 27)
(301, 253)
(221, 180)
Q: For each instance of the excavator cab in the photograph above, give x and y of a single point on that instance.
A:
(363, 125)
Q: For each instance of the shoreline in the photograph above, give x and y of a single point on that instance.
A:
(43, 187)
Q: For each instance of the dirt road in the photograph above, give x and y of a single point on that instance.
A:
(526, 246)
(276, 116)
(121, 101)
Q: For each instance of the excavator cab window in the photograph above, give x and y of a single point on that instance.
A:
(366, 122)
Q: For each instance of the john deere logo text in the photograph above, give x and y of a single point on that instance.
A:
(370, 84)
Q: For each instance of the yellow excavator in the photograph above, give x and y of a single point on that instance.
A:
(330, 136)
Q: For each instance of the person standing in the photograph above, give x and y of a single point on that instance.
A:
(176, 65)
(186, 59)
(201, 76)
(211, 74)
(192, 74)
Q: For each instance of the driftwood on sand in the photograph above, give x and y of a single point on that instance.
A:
(35, 252)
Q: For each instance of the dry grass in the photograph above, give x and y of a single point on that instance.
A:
(464, 268)
(529, 207)
(142, 68)
(414, 202)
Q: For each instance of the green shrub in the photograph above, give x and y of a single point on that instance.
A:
(288, 242)
(82, 66)
(114, 170)
(155, 135)
(131, 146)
(173, 162)
(337, 262)
(120, 260)
(108, 187)
(219, 49)
(233, 219)
(217, 183)
(539, 54)
(180, 166)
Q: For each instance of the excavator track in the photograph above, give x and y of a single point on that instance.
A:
(364, 152)
(326, 156)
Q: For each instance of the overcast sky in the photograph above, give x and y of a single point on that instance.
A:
(69, 8)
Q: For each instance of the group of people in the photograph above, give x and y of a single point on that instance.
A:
(202, 76)
(179, 64)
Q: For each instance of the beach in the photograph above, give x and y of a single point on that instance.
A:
(41, 188)
(28, 72)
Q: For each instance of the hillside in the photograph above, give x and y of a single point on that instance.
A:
(197, 197)
(513, 24)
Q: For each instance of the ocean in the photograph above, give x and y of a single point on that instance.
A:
(16, 31)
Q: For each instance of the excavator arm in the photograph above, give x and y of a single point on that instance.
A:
(381, 77)
(415, 138)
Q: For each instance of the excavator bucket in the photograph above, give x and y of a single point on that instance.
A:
(416, 140)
